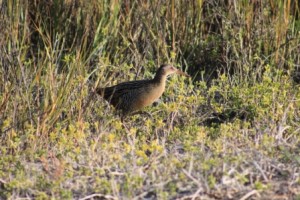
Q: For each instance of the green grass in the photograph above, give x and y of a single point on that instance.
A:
(229, 132)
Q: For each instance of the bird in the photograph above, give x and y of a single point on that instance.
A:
(129, 97)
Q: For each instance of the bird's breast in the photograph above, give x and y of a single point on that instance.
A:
(149, 95)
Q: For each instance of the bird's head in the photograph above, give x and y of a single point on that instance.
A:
(167, 69)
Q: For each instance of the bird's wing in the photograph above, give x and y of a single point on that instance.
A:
(113, 94)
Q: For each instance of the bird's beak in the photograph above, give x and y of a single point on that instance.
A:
(182, 73)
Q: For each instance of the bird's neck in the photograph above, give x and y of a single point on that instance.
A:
(160, 78)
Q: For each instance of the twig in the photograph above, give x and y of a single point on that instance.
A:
(98, 195)
(261, 171)
(192, 178)
(249, 194)
(2, 181)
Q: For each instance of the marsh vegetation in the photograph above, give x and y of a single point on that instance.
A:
(232, 131)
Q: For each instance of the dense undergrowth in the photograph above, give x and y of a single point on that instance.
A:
(229, 132)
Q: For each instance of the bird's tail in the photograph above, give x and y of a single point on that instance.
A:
(100, 91)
